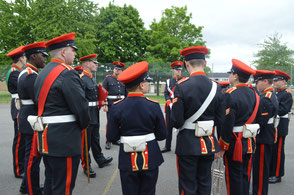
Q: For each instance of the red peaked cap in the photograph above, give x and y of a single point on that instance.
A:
(242, 69)
(263, 74)
(134, 74)
(197, 52)
(177, 65)
(118, 64)
(79, 68)
(62, 41)
(39, 47)
(89, 57)
(224, 84)
(16, 53)
(281, 75)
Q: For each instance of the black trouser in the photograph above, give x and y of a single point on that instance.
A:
(31, 179)
(139, 182)
(18, 151)
(93, 139)
(261, 168)
(194, 174)
(60, 174)
(169, 128)
(237, 174)
(277, 167)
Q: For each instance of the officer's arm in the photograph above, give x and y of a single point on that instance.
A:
(112, 134)
(265, 111)
(166, 92)
(220, 108)
(28, 85)
(177, 114)
(160, 127)
(285, 104)
(12, 81)
(74, 94)
(105, 83)
(227, 127)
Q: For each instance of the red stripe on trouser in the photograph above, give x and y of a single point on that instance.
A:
(279, 156)
(68, 175)
(29, 168)
(249, 168)
(82, 156)
(227, 175)
(261, 162)
(16, 154)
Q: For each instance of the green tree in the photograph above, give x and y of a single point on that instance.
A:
(274, 55)
(121, 34)
(173, 33)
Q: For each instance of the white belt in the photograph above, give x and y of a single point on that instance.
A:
(188, 125)
(92, 103)
(270, 121)
(27, 102)
(285, 116)
(149, 137)
(59, 119)
(15, 95)
(115, 96)
(238, 129)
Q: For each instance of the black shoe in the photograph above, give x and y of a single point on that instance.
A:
(92, 173)
(116, 143)
(274, 180)
(165, 150)
(105, 162)
(23, 190)
(19, 176)
(107, 145)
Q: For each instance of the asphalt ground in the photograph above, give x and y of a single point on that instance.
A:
(107, 181)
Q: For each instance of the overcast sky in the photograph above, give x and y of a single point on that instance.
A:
(232, 28)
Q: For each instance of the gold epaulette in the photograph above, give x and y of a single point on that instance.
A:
(288, 91)
(108, 75)
(183, 80)
(29, 70)
(231, 89)
(67, 66)
(13, 69)
(81, 75)
(118, 101)
(151, 100)
(268, 94)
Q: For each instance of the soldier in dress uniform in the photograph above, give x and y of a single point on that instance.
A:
(18, 151)
(224, 85)
(64, 110)
(242, 104)
(285, 99)
(36, 56)
(169, 95)
(195, 150)
(116, 90)
(89, 66)
(137, 120)
(268, 110)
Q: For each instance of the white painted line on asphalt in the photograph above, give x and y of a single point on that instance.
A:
(110, 182)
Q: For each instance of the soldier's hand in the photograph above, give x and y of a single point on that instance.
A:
(219, 154)
(105, 108)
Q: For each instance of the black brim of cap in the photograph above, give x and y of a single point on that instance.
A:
(75, 47)
(45, 53)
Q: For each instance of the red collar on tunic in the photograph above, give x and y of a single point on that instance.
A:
(283, 88)
(177, 77)
(244, 85)
(32, 67)
(135, 94)
(88, 74)
(268, 89)
(15, 66)
(57, 60)
(198, 73)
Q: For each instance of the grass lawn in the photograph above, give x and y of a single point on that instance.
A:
(5, 97)
(160, 98)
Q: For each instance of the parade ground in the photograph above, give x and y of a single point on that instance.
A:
(107, 181)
